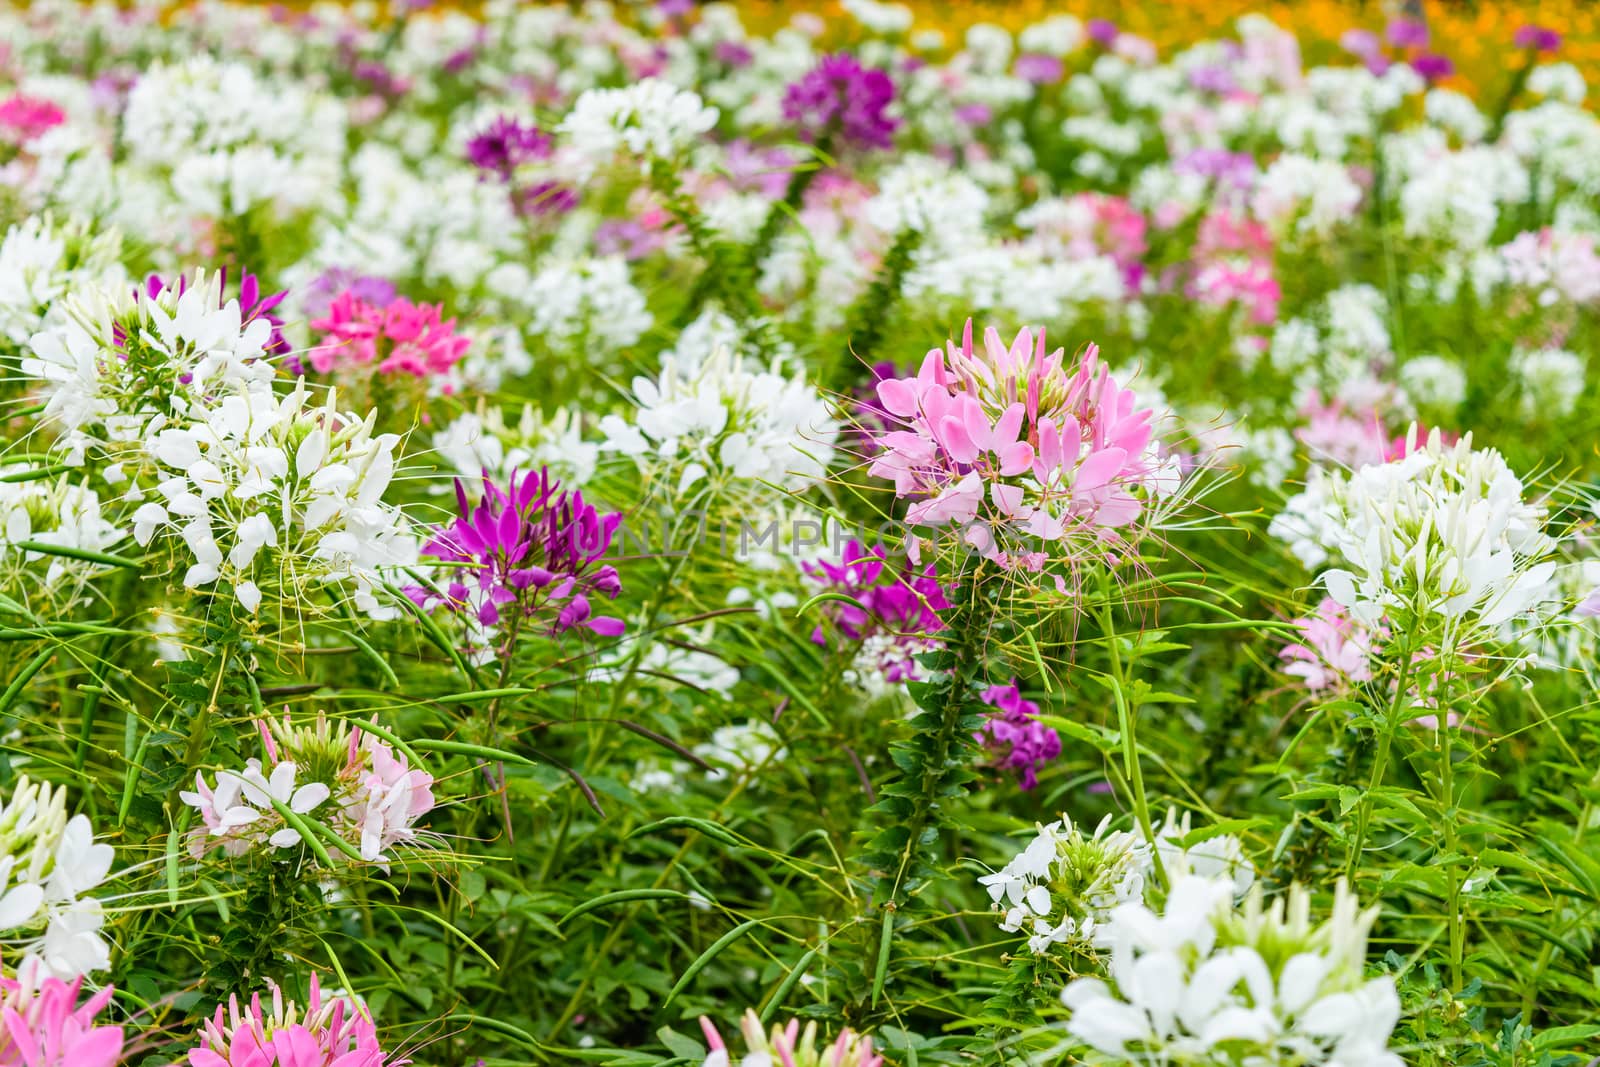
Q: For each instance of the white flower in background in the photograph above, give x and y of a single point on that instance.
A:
(1434, 381)
(731, 423)
(889, 20)
(478, 441)
(40, 263)
(1455, 198)
(647, 121)
(1207, 982)
(1550, 381)
(1063, 885)
(262, 489)
(587, 308)
(1057, 35)
(48, 863)
(1303, 195)
(53, 513)
(922, 195)
(740, 748)
(1558, 81)
(1215, 856)
(1456, 113)
(1441, 535)
(1357, 320)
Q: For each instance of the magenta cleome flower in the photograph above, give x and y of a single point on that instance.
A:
(402, 337)
(1033, 458)
(336, 1032)
(1538, 38)
(1014, 736)
(22, 118)
(506, 145)
(43, 1025)
(527, 552)
(840, 99)
(894, 616)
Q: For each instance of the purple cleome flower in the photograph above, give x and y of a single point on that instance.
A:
(529, 550)
(1433, 67)
(506, 145)
(841, 98)
(895, 613)
(1015, 736)
(1538, 38)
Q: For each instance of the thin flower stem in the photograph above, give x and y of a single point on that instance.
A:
(1380, 762)
(1127, 719)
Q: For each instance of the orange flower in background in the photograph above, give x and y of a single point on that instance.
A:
(1478, 38)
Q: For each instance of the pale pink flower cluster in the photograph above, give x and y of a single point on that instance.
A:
(43, 1025)
(400, 336)
(331, 1032)
(789, 1046)
(1335, 433)
(1233, 265)
(376, 797)
(1028, 453)
(1559, 264)
(1335, 651)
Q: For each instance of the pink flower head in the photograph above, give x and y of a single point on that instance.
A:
(1336, 650)
(787, 1045)
(22, 118)
(413, 339)
(1538, 38)
(1014, 735)
(337, 1032)
(43, 1025)
(1348, 438)
(1018, 446)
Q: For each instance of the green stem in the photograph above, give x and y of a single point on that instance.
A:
(1380, 761)
(1127, 723)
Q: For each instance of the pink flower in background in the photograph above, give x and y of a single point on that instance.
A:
(22, 118)
(1014, 736)
(1092, 224)
(401, 336)
(1021, 448)
(1537, 38)
(336, 1032)
(1335, 651)
(43, 1025)
(1233, 265)
(1345, 437)
(1558, 264)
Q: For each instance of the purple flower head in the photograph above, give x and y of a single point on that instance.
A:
(1103, 32)
(1213, 80)
(1538, 38)
(893, 615)
(316, 296)
(733, 54)
(1014, 736)
(974, 114)
(1363, 44)
(1407, 33)
(1237, 169)
(627, 238)
(674, 9)
(543, 198)
(506, 145)
(840, 98)
(460, 60)
(527, 550)
(1433, 67)
(1038, 68)
(380, 79)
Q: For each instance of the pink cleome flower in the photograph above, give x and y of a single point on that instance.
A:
(43, 1025)
(1335, 650)
(22, 118)
(335, 1031)
(401, 336)
(1025, 452)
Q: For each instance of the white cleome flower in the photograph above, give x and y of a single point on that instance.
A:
(1205, 981)
(48, 865)
(644, 122)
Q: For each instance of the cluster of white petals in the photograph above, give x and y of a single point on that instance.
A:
(48, 865)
